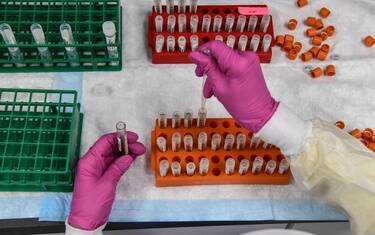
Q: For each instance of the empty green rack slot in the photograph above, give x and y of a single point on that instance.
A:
(40, 133)
(85, 18)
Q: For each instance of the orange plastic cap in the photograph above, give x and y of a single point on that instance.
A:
(330, 30)
(324, 12)
(367, 134)
(292, 24)
(288, 38)
(325, 48)
(322, 55)
(292, 55)
(365, 142)
(316, 40)
(323, 35)
(371, 146)
(317, 72)
(302, 3)
(314, 51)
(356, 133)
(297, 46)
(319, 24)
(369, 41)
(288, 46)
(307, 56)
(280, 40)
(330, 70)
(311, 32)
(340, 124)
(310, 21)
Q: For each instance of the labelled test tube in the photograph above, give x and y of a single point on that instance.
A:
(181, 41)
(170, 6)
(109, 31)
(159, 23)
(161, 142)
(171, 43)
(176, 120)
(267, 39)
(202, 141)
(181, 6)
(231, 40)
(204, 164)
(163, 168)
(229, 142)
(188, 118)
(253, 21)
(215, 142)
(270, 167)
(122, 139)
(9, 39)
(264, 23)
(241, 21)
(230, 164)
(257, 165)
(176, 168)
(242, 42)
(218, 21)
(181, 23)
(244, 166)
(193, 6)
(158, 6)
(229, 22)
(159, 43)
(254, 43)
(162, 119)
(188, 143)
(190, 169)
(176, 141)
(219, 38)
(202, 116)
(40, 39)
(171, 23)
(194, 20)
(283, 166)
(206, 23)
(241, 141)
(194, 42)
(67, 36)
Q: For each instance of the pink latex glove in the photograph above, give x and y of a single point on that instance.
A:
(236, 80)
(97, 175)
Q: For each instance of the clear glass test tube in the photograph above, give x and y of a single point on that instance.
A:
(181, 23)
(109, 31)
(188, 118)
(231, 40)
(170, 6)
(253, 21)
(194, 42)
(163, 168)
(240, 141)
(162, 119)
(202, 141)
(254, 43)
(158, 6)
(264, 23)
(171, 43)
(244, 166)
(230, 164)
(229, 142)
(242, 42)
(40, 39)
(257, 165)
(159, 23)
(219, 38)
(194, 20)
(176, 168)
(215, 142)
(188, 143)
(67, 36)
(159, 43)
(267, 39)
(283, 166)
(270, 167)
(176, 120)
(176, 141)
(9, 39)
(218, 21)
(161, 142)
(190, 168)
(229, 22)
(241, 21)
(181, 6)
(181, 41)
(171, 23)
(206, 23)
(193, 6)
(122, 139)
(202, 116)
(203, 166)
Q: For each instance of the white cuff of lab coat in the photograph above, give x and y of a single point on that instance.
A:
(286, 130)
(69, 230)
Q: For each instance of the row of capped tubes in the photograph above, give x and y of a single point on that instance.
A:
(243, 168)
(214, 24)
(186, 121)
(181, 6)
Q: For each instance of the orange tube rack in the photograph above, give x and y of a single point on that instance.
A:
(216, 173)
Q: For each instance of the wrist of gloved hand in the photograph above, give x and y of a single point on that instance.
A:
(71, 230)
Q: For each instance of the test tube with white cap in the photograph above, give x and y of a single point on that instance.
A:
(244, 166)
(257, 165)
(122, 139)
(270, 167)
(163, 168)
(67, 36)
(176, 141)
(181, 6)
(231, 40)
(188, 118)
(171, 23)
(190, 168)
(283, 166)
(215, 142)
(242, 42)
(171, 43)
(203, 166)
(202, 141)
(229, 22)
(267, 39)
(264, 23)
(229, 142)
(109, 30)
(219, 38)
(241, 141)
(193, 6)
(161, 142)
(176, 168)
(162, 119)
(230, 164)
(181, 41)
(9, 39)
(159, 23)
(253, 21)
(39, 38)
(188, 143)
(158, 6)
(194, 42)
(241, 21)
(159, 43)
(194, 20)
(170, 6)
(181, 23)
(176, 120)
(254, 43)
(206, 23)
(218, 20)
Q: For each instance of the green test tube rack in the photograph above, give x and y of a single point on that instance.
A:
(40, 133)
(85, 17)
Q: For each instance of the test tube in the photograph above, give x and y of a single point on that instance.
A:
(161, 142)
(176, 141)
(188, 143)
(257, 165)
(190, 168)
(242, 42)
(253, 21)
(254, 43)
(241, 21)
(230, 164)
(229, 22)
(228, 142)
(194, 19)
(171, 43)
(9, 39)
(206, 23)
(244, 166)
(202, 115)
(159, 23)
(163, 168)
(241, 141)
(122, 139)
(231, 40)
(203, 166)
(218, 20)
(264, 23)
(162, 119)
(39, 37)
(67, 36)
(159, 43)
(158, 6)
(215, 142)
(181, 41)
(176, 168)
(176, 120)
(194, 42)
(202, 141)
(170, 6)
(181, 23)
(283, 166)
(171, 24)
(266, 42)
(188, 118)
(109, 31)
(219, 38)
(253, 142)
(193, 6)
(181, 6)
(270, 167)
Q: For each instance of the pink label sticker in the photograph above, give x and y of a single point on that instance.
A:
(253, 10)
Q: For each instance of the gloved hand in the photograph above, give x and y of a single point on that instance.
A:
(97, 175)
(236, 80)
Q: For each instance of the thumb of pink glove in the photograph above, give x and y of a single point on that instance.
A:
(97, 175)
(236, 80)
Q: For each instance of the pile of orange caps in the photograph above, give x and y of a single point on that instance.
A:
(367, 136)
(369, 41)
